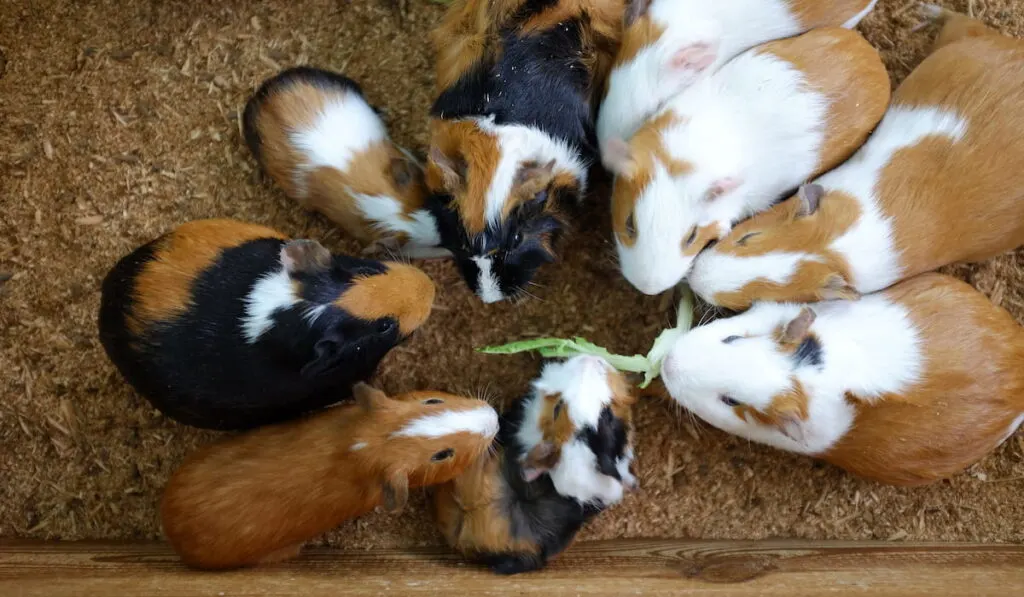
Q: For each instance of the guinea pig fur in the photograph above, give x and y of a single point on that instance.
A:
(906, 386)
(512, 131)
(735, 142)
(257, 497)
(316, 137)
(938, 182)
(669, 44)
(227, 325)
(564, 456)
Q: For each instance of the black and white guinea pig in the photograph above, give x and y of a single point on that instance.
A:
(316, 136)
(564, 455)
(227, 325)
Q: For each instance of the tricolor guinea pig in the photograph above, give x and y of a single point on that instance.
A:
(735, 142)
(256, 498)
(227, 325)
(317, 138)
(938, 182)
(512, 130)
(906, 386)
(670, 44)
(564, 455)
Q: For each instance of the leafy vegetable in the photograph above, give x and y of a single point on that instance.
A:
(649, 365)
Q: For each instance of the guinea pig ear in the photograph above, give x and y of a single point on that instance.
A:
(792, 427)
(837, 287)
(327, 352)
(635, 10)
(368, 397)
(799, 327)
(540, 460)
(533, 171)
(403, 171)
(695, 57)
(305, 256)
(618, 157)
(809, 196)
(721, 187)
(396, 492)
(452, 173)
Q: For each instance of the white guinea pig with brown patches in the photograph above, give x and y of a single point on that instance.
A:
(906, 387)
(939, 181)
(670, 44)
(316, 137)
(734, 142)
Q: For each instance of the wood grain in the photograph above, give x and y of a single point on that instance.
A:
(612, 568)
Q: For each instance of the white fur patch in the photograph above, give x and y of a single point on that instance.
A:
(271, 292)
(869, 348)
(1013, 427)
(482, 421)
(714, 273)
(357, 446)
(487, 284)
(518, 144)
(345, 126)
(582, 382)
(756, 121)
(387, 214)
(639, 88)
(576, 476)
(857, 18)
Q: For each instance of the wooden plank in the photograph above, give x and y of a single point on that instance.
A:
(612, 568)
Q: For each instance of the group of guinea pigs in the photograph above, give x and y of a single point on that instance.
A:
(711, 117)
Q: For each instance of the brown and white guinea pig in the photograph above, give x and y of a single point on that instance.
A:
(316, 136)
(257, 497)
(670, 44)
(227, 325)
(512, 130)
(906, 386)
(564, 455)
(733, 143)
(939, 181)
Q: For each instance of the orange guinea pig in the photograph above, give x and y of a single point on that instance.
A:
(257, 497)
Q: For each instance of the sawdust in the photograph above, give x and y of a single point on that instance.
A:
(119, 120)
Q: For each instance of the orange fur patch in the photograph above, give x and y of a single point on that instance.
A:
(646, 151)
(557, 430)
(163, 289)
(463, 141)
(705, 235)
(403, 292)
(971, 389)
(644, 32)
(830, 58)
(257, 495)
(815, 13)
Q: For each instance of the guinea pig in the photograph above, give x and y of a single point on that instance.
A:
(906, 386)
(512, 130)
(669, 44)
(316, 137)
(735, 142)
(938, 182)
(257, 497)
(564, 455)
(227, 325)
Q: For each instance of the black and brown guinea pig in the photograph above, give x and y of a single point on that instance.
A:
(227, 325)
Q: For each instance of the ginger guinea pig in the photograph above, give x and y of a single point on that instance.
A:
(512, 130)
(735, 142)
(906, 386)
(670, 44)
(938, 182)
(227, 325)
(256, 498)
(317, 138)
(564, 455)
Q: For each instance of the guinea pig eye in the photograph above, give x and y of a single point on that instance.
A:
(385, 326)
(541, 196)
(433, 401)
(517, 239)
(692, 237)
(743, 239)
(631, 226)
(442, 455)
(557, 410)
(731, 339)
(730, 401)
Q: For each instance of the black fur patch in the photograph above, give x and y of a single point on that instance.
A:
(299, 74)
(608, 442)
(198, 368)
(809, 352)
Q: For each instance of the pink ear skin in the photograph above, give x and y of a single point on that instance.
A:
(694, 57)
(721, 187)
(617, 156)
(792, 427)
